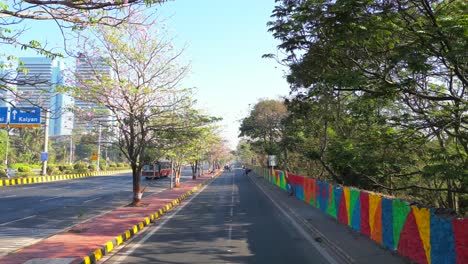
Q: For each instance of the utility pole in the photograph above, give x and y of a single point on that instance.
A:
(70, 161)
(107, 159)
(46, 142)
(99, 148)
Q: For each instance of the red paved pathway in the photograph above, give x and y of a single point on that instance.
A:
(95, 232)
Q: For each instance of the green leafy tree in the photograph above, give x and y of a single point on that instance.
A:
(264, 125)
(385, 85)
(243, 152)
(28, 145)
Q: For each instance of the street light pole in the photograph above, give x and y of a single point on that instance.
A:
(46, 142)
(70, 161)
(99, 148)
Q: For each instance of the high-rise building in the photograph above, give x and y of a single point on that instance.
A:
(88, 113)
(6, 95)
(38, 78)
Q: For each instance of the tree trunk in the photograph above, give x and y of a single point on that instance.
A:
(194, 170)
(177, 176)
(136, 184)
(450, 196)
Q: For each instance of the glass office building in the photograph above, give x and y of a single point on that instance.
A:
(38, 80)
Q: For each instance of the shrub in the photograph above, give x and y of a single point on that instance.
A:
(65, 167)
(52, 169)
(121, 165)
(102, 165)
(17, 165)
(36, 166)
(24, 168)
(24, 174)
(92, 167)
(2, 171)
(80, 168)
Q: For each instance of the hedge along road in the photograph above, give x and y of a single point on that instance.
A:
(29, 213)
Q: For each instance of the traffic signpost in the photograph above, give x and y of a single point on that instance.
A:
(25, 117)
(3, 116)
(22, 117)
(44, 156)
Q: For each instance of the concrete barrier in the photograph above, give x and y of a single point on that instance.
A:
(415, 232)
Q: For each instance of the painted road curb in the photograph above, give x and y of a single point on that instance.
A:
(97, 254)
(54, 178)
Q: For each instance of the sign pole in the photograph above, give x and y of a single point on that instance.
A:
(7, 146)
(46, 142)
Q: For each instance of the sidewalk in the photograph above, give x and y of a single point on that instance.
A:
(344, 243)
(89, 241)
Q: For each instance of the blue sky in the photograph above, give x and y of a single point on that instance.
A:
(226, 40)
(224, 43)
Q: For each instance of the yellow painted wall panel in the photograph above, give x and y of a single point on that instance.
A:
(423, 220)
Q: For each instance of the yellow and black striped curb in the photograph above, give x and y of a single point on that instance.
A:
(41, 179)
(118, 240)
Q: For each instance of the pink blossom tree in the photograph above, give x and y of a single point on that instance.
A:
(141, 91)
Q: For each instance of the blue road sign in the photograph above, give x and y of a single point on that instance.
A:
(25, 116)
(44, 156)
(3, 115)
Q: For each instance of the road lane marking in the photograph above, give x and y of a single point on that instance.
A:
(9, 196)
(141, 242)
(87, 201)
(17, 220)
(232, 214)
(56, 197)
(229, 237)
(321, 250)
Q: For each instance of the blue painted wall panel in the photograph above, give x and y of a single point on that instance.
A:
(387, 223)
(442, 241)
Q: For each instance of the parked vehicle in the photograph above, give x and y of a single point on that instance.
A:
(156, 170)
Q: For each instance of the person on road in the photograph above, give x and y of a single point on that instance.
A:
(289, 187)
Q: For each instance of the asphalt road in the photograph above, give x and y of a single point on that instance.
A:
(29, 213)
(230, 221)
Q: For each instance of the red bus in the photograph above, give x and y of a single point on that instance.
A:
(157, 170)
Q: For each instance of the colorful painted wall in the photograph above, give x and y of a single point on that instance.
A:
(417, 233)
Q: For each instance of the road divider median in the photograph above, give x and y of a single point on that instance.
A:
(55, 178)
